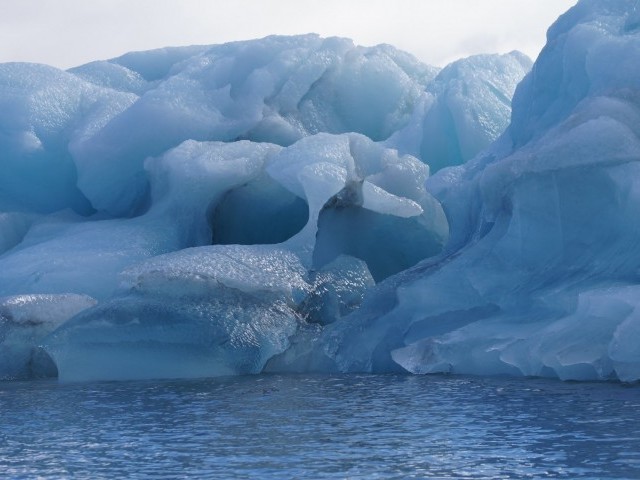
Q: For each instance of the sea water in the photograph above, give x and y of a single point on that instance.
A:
(319, 426)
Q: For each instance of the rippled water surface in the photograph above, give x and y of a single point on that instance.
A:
(352, 426)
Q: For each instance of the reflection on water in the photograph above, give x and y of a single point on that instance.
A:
(351, 426)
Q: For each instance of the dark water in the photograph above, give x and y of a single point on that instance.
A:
(351, 426)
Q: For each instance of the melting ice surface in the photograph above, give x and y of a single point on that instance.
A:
(268, 205)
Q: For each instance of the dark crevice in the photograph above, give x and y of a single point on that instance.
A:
(260, 212)
(388, 244)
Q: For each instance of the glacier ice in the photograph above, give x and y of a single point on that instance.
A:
(275, 90)
(539, 277)
(173, 261)
(269, 205)
(136, 337)
(466, 107)
(24, 321)
(80, 138)
(336, 289)
(13, 228)
(44, 112)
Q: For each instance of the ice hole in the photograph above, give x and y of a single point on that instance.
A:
(257, 213)
(388, 244)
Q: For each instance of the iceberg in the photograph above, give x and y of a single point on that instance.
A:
(305, 204)
(539, 277)
(228, 304)
(79, 139)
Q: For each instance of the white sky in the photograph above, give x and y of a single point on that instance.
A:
(66, 33)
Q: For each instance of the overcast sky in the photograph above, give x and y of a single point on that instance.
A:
(66, 33)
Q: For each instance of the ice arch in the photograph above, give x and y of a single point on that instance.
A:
(258, 212)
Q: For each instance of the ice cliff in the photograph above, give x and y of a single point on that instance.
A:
(217, 210)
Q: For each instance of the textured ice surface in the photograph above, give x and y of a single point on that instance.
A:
(237, 301)
(44, 112)
(137, 337)
(24, 321)
(336, 290)
(465, 108)
(264, 207)
(62, 254)
(13, 227)
(79, 138)
(276, 90)
(268, 204)
(540, 274)
(207, 311)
